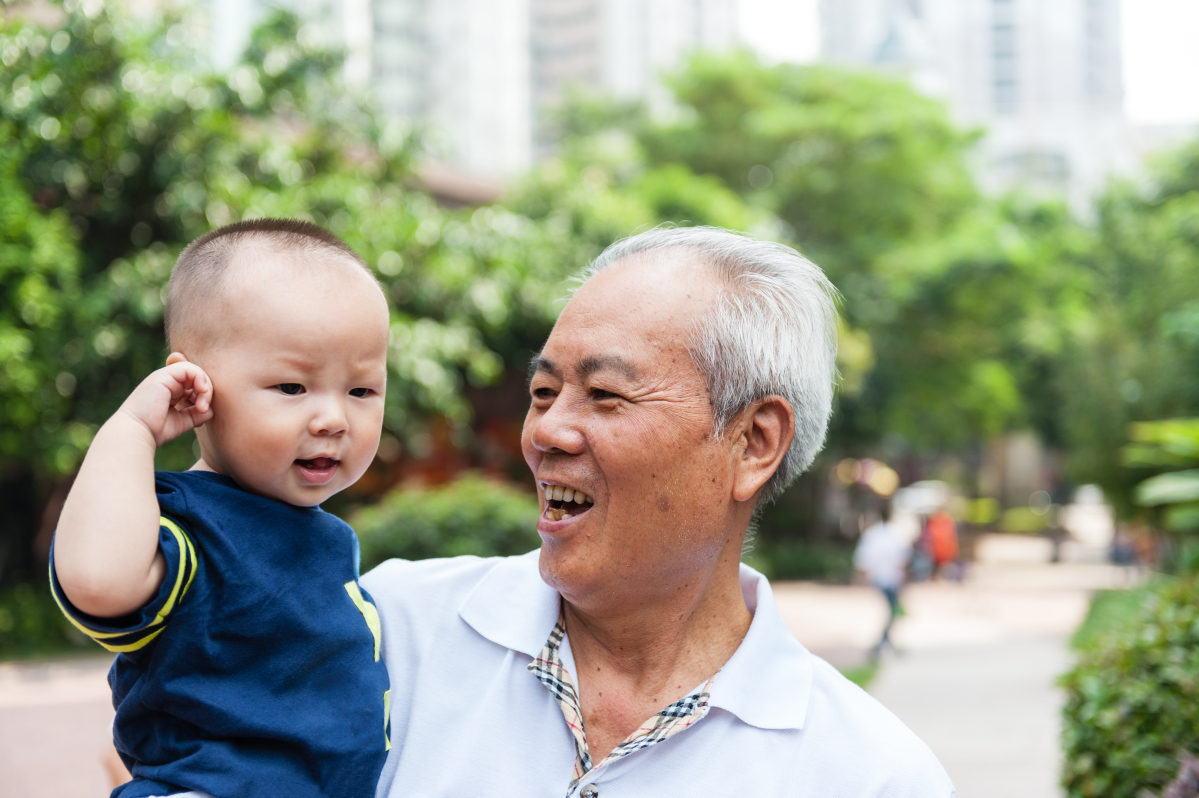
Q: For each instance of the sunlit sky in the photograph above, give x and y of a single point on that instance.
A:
(1161, 50)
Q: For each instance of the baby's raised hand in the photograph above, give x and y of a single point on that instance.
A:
(172, 400)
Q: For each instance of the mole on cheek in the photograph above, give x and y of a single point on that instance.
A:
(663, 503)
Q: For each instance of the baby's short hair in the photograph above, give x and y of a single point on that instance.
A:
(200, 270)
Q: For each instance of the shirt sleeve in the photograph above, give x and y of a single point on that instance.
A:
(135, 630)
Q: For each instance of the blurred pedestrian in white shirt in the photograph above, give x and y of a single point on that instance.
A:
(883, 554)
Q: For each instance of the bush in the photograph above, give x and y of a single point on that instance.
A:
(1133, 699)
(471, 515)
(32, 625)
(802, 559)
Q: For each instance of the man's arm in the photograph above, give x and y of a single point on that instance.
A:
(106, 552)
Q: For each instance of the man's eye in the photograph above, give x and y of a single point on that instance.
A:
(291, 388)
(599, 393)
(543, 393)
(359, 392)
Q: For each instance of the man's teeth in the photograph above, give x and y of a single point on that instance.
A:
(565, 495)
(559, 493)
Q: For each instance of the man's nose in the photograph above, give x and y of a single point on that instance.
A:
(559, 428)
(329, 416)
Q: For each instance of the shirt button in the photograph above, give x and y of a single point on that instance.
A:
(589, 791)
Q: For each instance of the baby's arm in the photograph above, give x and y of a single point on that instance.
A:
(106, 552)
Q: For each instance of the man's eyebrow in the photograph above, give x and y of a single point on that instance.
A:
(596, 363)
(539, 364)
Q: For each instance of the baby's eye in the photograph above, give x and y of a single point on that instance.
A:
(359, 392)
(291, 388)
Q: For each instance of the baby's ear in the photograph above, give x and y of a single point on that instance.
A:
(176, 357)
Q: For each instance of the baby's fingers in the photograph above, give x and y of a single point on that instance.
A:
(190, 387)
(199, 417)
(202, 394)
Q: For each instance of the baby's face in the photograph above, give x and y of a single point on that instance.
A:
(299, 371)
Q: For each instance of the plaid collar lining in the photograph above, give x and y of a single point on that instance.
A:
(550, 671)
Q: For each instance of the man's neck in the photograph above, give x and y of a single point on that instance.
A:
(632, 663)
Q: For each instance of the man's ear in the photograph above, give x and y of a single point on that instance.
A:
(176, 357)
(766, 429)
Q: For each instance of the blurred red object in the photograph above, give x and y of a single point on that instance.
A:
(943, 537)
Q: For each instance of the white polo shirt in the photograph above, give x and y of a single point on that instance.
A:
(469, 719)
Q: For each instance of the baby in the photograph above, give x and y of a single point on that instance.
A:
(247, 655)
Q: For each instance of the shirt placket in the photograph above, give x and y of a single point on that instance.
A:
(666, 723)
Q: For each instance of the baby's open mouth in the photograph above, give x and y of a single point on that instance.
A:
(561, 502)
(318, 463)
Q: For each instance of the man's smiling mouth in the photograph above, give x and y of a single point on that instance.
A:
(562, 502)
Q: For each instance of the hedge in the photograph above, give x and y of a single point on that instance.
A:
(471, 515)
(1132, 701)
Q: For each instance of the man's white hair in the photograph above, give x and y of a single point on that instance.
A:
(773, 331)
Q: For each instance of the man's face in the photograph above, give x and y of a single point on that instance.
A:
(299, 372)
(620, 412)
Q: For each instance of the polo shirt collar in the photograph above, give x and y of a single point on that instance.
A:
(767, 682)
(511, 606)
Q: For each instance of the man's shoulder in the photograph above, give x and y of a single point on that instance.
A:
(870, 736)
(425, 605)
(397, 583)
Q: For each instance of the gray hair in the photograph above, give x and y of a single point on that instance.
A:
(773, 332)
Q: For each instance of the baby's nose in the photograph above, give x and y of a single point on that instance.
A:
(330, 419)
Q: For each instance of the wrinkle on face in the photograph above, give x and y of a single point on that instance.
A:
(660, 478)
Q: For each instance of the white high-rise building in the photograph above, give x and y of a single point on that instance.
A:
(619, 47)
(482, 76)
(460, 66)
(485, 73)
(1043, 77)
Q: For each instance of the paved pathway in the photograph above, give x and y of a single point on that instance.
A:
(974, 679)
(975, 674)
(54, 729)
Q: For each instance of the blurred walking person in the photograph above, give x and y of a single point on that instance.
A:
(943, 544)
(882, 556)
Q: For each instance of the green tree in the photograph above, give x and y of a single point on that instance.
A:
(1137, 356)
(852, 162)
(975, 324)
(118, 147)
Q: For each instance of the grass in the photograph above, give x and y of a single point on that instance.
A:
(861, 675)
(1111, 611)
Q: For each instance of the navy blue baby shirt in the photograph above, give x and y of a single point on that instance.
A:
(255, 671)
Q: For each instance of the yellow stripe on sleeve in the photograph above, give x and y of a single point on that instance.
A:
(187, 555)
(368, 612)
(135, 645)
(387, 719)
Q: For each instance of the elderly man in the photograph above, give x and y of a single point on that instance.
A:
(689, 378)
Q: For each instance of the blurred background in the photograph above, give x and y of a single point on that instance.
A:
(1005, 192)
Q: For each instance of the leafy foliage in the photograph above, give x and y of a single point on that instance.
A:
(956, 309)
(117, 147)
(471, 515)
(1137, 357)
(39, 269)
(1132, 701)
(1171, 443)
(121, 131)
(31, 624)
(853, 162)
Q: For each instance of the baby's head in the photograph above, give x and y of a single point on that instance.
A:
(292, 329)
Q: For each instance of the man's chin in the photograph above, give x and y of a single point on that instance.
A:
(564, 570)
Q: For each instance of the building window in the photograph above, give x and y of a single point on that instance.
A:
(1005, 79)
(1095, 50)
(1039, 167)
